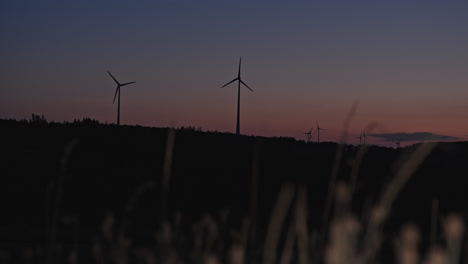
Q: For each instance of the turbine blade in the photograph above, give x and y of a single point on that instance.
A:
(246, 85)
(127, 83)
(230, 82)
(240, 62)
(116, 90)
(113, 78)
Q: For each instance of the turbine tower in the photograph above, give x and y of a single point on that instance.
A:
(318, 132)
(309, 134)
(117, 91)
(239, 81)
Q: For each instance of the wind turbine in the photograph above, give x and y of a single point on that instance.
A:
(364, 136)
(117, 91)
(239, 81)
(397, 143)
(309, 134)
(360, 139)
(318, 130)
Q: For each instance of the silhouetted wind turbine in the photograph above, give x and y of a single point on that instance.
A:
(397, 143)
(309, 134)
(364, 136)
(239, 81)
(117, 91)
(318, 130)
(360, 139)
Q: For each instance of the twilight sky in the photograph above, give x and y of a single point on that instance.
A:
(405, 62)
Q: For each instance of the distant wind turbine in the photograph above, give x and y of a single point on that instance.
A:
(397, 143)
(318, 131)
(117, 91)
(364, 137)
(239, 81)
(360, 139)
(309, 134)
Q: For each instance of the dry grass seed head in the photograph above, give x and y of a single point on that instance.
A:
(211, 259)
(437, 255)
(108, 225)
(409, 236)
(408, 256)
(342, 193)
(236, 254)
(454, 227)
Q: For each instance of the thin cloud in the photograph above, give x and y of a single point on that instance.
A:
(418, 136)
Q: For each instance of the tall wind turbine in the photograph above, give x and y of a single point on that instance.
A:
(239, 81)
(318, 131)
(117, 91)
(364, 137)
(309, 134)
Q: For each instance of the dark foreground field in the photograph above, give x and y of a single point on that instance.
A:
(92, 193)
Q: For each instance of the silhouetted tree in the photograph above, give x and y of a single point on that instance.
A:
(36, 119)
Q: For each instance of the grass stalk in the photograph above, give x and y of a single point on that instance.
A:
(278, 217)
(58, 198)
(332, 182)
(372, 238)
(169, 153)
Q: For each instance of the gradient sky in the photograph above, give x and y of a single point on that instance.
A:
(405, 62)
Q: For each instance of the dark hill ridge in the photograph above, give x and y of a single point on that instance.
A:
(211, 171)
